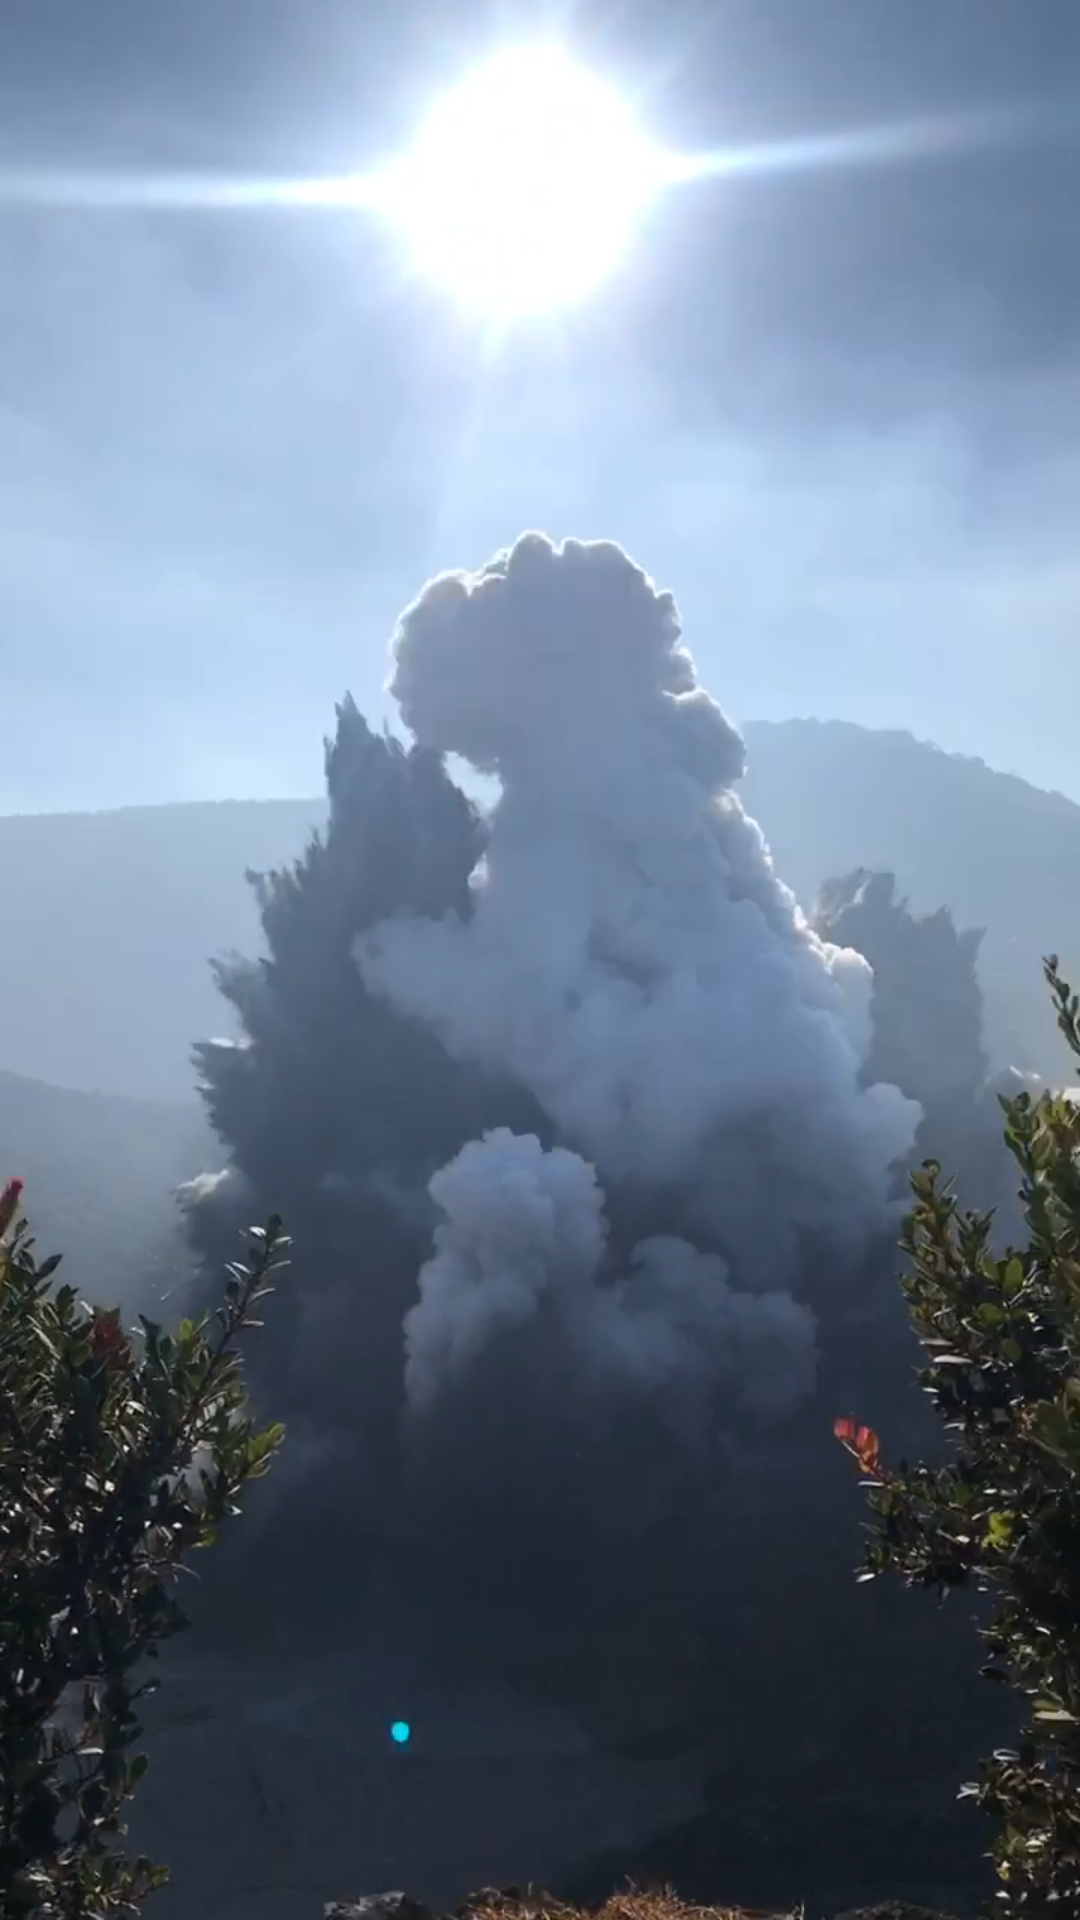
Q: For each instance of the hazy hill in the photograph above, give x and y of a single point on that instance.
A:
(103, 966)
(99, 1170)
(112, 916)
(999, 852)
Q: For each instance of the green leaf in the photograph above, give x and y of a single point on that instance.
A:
(93, 1800)
(94, 1526)
(999, 1531)
(1012, 1276)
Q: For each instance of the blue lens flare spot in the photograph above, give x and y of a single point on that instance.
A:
(400, 1732)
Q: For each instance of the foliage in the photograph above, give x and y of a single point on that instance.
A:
(1002, 1340)
(116, 1461)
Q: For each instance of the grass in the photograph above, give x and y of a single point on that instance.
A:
(638, 1903)
(631, 1903)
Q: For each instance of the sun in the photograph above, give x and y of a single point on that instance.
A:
(525, 185)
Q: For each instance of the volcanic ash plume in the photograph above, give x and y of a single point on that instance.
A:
(632, 957)
(522, 1242)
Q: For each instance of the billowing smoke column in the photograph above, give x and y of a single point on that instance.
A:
(573, 1118)
(634, 961)
(524, 1234)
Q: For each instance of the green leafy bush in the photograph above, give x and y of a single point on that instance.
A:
(119, 1455)
(1001, 1337)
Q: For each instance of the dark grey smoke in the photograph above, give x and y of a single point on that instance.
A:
(927, 1023)
(704, 1155)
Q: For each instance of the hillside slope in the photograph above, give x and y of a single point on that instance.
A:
(1000, 853)
(99, 1172)
(103, 970)
(104, 973)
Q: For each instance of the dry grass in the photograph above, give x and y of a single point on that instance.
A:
(632, 1903)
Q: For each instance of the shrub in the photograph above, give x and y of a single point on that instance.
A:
(1001, 1335)
(119, 1455)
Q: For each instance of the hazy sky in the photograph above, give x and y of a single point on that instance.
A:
(837, 411)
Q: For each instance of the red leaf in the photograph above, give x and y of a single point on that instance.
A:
(861, 1442)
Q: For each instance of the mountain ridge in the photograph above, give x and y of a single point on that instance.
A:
(107, 982)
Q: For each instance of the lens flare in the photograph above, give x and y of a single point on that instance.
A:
(529, 180)
(524, 188)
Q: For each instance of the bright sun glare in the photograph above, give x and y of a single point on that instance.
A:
(524, 186)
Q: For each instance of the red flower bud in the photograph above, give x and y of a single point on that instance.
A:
(108, 1342)
(9, 1202)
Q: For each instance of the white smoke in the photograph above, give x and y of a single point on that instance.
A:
(205, 1188)
(633, 958)
(519, 1222)
(524, 1235)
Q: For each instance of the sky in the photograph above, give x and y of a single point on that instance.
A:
(836, 410)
